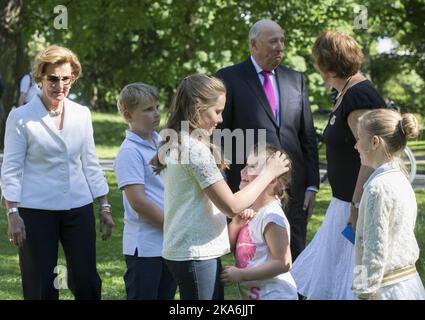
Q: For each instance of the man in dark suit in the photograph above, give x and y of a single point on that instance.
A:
(261, 94)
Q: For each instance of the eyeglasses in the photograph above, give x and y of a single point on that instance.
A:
(66, 80)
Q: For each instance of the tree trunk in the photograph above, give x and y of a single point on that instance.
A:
(11, 53)
(12, 49)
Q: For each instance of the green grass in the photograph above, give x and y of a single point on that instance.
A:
(418, 148)
(420, 232)
(109, 129)
(111, 265)
(109, 132)
(110, 261)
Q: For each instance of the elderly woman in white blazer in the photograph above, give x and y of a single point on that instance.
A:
(50, 176)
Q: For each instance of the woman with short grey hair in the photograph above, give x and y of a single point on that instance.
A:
(50, 176)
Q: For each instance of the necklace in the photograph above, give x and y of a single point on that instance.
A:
(55, 113)
(342, 91)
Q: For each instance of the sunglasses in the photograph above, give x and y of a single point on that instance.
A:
(66, 80)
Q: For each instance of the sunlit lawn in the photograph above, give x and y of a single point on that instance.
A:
(418, 148)
(110, 129)
(109, 132)
(111, 264)
(417, 145)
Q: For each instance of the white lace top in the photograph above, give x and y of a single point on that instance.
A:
(385, 239)
(193, 230)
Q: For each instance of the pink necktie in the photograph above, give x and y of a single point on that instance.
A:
(268, 89)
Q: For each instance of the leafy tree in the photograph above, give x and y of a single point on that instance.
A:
(161, 42)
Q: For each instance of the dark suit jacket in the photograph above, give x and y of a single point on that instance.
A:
(247, 107)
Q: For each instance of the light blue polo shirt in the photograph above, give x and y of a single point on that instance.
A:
(132, 166)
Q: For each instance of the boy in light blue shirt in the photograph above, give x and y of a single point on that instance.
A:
(147, 275)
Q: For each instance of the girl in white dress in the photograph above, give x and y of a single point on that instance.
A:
(261, 245)
(385, 248)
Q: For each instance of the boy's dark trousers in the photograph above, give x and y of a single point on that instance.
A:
(148, 278)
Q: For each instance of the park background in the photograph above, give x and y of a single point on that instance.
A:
(160, 42)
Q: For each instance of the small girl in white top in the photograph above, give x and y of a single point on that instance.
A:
(385, 248)
(195, 235)
(261, 246)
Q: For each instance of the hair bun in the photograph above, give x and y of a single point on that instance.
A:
(410, 126)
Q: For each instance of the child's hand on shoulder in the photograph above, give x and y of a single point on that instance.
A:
(231, 275)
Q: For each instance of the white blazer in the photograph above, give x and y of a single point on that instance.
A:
(44, 168)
